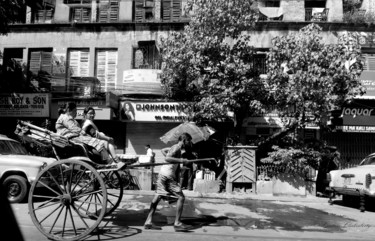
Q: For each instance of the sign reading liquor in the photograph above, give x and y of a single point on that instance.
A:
(153, 111)
(24, 105)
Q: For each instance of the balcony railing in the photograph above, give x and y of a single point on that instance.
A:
(316, 14)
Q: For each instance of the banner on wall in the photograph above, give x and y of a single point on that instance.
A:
(367, 79)
(152, 111)
(142, 81)
(25, 105)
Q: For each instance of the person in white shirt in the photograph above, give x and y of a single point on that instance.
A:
(149, 150)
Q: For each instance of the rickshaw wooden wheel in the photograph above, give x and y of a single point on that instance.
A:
(115, 190)
(67, 200)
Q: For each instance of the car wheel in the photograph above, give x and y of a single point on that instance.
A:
(16, 188)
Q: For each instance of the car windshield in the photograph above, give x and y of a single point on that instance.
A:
(368, 161)
(11, 147)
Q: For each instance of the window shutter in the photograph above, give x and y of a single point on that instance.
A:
(86, 14)
(176, 10)
(34, 65)
(46, 62)
(166, 8)
(106, 68)
(113, 11)
(139, 10)
(40, 60)
(81, 15)
(77, 12)
(49, 15)
(79, 63)
(100, 68)
(111, 68)
(103, 11)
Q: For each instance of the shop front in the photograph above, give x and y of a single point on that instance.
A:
(354, 125)
(146, 122)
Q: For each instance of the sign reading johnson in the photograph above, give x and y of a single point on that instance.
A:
(153, 111)
(24, 105)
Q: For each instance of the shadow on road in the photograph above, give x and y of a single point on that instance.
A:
(353, 202)
(108, 231)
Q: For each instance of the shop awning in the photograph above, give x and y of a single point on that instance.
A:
(272, 12)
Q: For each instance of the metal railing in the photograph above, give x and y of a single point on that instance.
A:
(318, 17)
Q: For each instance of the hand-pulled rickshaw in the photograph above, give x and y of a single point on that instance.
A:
(70, 197)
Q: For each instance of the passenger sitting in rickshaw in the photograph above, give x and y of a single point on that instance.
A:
(68, 126)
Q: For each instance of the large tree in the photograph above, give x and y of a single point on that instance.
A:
(9, 13)
(307, 80)
(210, 64)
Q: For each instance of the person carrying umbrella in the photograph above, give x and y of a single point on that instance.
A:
(167, 184)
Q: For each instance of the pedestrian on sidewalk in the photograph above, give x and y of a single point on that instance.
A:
(168, 186)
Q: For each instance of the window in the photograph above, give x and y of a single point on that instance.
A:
(43, 13)
(259, 61)
(40, 60)
(80, 14)
(108, 11)
(78, 63)
(106, 68)
(171, 10)
(273, 3)
(143, 10)
(146, 56)
(12, 54)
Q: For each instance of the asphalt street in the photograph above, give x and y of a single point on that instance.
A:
(241, 217)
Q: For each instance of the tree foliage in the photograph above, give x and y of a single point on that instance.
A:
(310, 78)
(9, 13)
(296, 156)
(210, 63)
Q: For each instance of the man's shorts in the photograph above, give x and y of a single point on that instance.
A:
(167, 186)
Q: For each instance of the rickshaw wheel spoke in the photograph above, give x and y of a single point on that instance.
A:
(114, 184)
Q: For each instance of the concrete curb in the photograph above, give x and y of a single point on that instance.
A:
(238, 196)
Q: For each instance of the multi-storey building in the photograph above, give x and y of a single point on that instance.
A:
(78, 42)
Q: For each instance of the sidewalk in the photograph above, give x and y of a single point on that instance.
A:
(238, 196)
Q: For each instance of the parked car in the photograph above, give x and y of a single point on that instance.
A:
(18, 169)
(354, 182)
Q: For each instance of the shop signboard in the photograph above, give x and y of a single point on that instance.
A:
(25, 105)
(358, 117)
(152, 111)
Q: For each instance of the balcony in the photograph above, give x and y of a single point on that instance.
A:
(316, 14)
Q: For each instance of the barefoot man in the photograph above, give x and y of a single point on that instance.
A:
(167, 184)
